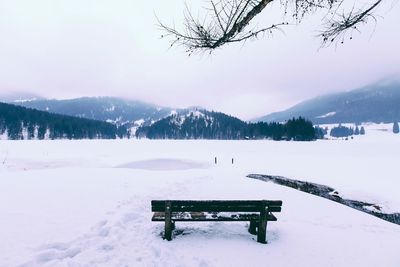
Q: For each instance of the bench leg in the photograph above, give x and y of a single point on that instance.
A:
(253, 227)
(168, 231)
(168, 222)
(262, 227)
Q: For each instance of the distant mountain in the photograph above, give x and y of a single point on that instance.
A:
(203, 124)
(378, 102)
(109, 109)
(18, 123)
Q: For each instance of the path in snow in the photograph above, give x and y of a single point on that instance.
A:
(310, 231)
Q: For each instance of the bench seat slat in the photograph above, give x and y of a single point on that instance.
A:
(217, 209)
(211, 216)
(219, 202)
(217, 205)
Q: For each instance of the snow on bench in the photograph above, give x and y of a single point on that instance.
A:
(257, 212)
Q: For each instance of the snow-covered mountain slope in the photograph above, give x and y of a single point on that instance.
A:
(194, 124)
(378, 102)
(110, 109)
(87, 203)
(203, 124)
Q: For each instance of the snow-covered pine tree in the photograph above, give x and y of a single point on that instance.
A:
(396, 127)
(357, 131)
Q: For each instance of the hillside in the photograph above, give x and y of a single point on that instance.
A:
(203, 124)
(23, 123)
(378, 102)
(110, 109)
(194, 124)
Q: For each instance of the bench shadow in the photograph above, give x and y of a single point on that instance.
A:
(215, 231)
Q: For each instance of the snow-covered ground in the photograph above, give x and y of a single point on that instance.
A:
(87, 203)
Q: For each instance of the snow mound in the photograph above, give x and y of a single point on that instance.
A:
(164, 165)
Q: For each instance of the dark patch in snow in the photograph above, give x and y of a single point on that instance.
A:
(331, 194)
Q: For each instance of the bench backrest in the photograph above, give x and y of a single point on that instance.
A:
(217, 205)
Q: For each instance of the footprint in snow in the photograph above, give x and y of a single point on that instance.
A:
(54, 254)
(129, 217)
(104, 231)
(54, 246)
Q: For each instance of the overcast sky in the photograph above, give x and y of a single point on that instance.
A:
(72, 48)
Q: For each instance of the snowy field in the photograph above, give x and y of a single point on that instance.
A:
(87, 203)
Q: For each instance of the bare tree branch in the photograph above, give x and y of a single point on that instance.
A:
(337, 28)
(226, 22)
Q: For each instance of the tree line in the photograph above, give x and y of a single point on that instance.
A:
(23, 123)
(343, 131)
(216, 125)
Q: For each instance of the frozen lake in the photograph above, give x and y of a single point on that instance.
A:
(87, 203)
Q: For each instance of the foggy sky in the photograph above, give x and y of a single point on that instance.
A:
(73, 48)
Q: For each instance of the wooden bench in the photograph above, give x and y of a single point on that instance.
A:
(257, 212)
